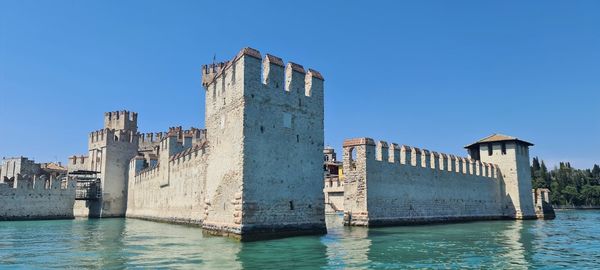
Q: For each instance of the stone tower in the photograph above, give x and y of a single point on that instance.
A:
(264, 125)
(110, 150)
(512, 157)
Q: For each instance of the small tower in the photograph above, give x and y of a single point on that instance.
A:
(121, 120)
(110, 150)
(511, 155)
(329, 154)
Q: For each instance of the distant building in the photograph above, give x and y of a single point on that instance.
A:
(334, 182)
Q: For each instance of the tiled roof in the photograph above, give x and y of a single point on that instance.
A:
(498, 138)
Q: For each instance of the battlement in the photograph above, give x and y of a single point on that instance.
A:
(120, 120)
(151, 137)
(145, 173)
(421, 158)
(113, 135)
(25, 182)
(179, 159)
(209, 72)
(270, 70)
(177, 139)
(77, 160)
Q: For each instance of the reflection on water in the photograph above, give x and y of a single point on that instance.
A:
(572, 241)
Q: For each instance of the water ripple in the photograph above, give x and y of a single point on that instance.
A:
(570, 241)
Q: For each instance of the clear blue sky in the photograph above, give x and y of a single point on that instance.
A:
(433, 74)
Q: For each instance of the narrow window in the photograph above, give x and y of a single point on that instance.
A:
(490, 149)
(233, 74)
(297, 138)
(504, 148)
(291, 205)
(223, 84)
(287, 120)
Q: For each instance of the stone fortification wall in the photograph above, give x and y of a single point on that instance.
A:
(264, 124)
(392, 184)
(283, 152)
(170, 191)
(37, 198)
(78, 163)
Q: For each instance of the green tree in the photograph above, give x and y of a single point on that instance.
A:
(568, 185)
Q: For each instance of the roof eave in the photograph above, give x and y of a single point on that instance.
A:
(514, 140)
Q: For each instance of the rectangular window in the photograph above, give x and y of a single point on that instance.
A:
(504, 148)
(490, 149)
(287, 120)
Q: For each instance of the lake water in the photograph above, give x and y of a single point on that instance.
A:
(572, 240)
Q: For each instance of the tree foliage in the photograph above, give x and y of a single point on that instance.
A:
(568, 186)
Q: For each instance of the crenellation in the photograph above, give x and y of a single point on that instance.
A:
(426, 159)
(452, 166)
(394, 153)
(435, 160)
(120, 120)
(443, 162)
(460, 167)
(478, 169)
(295, 78)
(273, 72)
(405, 155)
(381, 151)
(415, 157)
(378, 193)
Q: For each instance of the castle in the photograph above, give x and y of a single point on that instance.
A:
(257, 169)
(250, 174)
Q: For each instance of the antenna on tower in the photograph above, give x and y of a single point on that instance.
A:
(214, 58)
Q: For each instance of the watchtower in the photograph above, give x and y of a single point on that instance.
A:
(110, 150)
(264, 124)
(512, 157)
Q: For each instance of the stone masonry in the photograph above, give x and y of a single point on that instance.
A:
(30, 190)
(251, 174)
(389, 184)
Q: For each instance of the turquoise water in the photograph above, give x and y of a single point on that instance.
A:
(572, 240)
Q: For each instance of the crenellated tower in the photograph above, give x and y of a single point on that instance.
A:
(110, 150)
(264, 123)
(512, 157)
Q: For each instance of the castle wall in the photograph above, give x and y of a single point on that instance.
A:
(225, 134)
(180, 200)
(406, 185)
(283, 153)
(37, 199)
(265, 130)
(114, 177)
